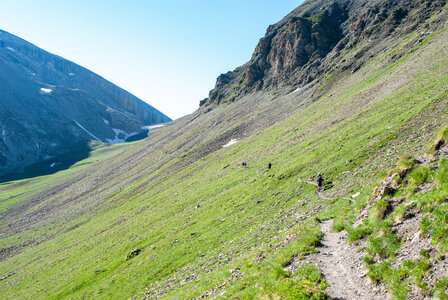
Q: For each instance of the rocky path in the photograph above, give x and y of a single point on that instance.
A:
(342, 267)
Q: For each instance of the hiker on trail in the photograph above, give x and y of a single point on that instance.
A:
(269, 165)
(320, 181)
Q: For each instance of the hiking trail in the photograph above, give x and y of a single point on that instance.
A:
(342, 267)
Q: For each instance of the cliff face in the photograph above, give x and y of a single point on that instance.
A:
(49, 105)
(306, 43)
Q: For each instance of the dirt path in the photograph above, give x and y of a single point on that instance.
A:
(342, 267)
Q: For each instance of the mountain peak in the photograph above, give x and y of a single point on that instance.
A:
(306, 44)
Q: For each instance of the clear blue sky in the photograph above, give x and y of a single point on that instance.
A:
(167, 52)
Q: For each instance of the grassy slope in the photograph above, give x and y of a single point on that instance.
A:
(197, 222)
(15, 195)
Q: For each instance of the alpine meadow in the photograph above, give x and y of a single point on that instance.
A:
(317, 170)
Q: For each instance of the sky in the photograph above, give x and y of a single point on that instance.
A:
(166, 52)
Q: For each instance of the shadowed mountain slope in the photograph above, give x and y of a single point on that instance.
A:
(49, 105)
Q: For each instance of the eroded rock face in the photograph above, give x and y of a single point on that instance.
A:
(293, 45)
(301, 47)
(49, 105)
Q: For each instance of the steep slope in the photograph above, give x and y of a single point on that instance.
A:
(49, 105)
(176, 216)
(306, 44)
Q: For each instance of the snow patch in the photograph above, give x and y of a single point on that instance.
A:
(46, 91)
(297, 90)
(120, 136)
(71, 74)
(52, 165)
(91, 134)
(53, 144)
(106, 121)
(153, 126)
(356, 195)
(231, 142)
(118, 131)
(11, 49)
(26, 125)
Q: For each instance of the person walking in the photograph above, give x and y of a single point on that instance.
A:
(320, 181)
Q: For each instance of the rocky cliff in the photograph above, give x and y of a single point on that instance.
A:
(49, 106)
(308, 42)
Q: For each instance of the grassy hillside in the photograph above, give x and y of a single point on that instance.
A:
(205, 225)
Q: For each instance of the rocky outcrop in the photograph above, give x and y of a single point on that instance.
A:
(50, 106)
(304, 45)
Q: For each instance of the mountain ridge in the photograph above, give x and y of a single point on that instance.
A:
(40, 90)
(300, 48)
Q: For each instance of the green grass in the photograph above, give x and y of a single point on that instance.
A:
(317, 19)
(383, 242)
(13, 194)
(398, 279)
(441, 289)
(17, 191)
(442, 139)
(197, 221)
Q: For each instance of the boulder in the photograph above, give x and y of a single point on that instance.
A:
(133, 253)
